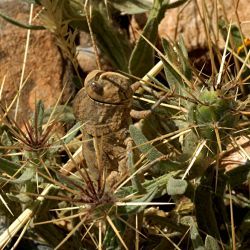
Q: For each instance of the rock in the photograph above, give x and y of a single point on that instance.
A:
(186, 20)
(43, 69)
(86, 56)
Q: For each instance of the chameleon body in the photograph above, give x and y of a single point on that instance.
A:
(103, 106)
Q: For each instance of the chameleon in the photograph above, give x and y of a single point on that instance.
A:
(104, 106)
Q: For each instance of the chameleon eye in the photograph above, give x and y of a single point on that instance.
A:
(97, 88)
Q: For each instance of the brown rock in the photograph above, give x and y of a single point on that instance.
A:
(186, 20)
(43, 69)
(86, 57)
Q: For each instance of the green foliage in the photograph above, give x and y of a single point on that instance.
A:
(211, 243)
(112, 42)
(176, 65)
(143, 144)
(213, 111)
(8, 167)
(234, 33)
(132, 7)
(176, 157)
(196, 238)
(205, 203)
(19, 24)
(152, 154)
(176, 186)
(143, 55)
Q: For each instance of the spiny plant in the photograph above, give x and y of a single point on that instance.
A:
(178, 193)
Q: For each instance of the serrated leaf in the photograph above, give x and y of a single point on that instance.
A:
(6, 141)
(20, 198)
(69, 181)
(159, 183)
(176, 186)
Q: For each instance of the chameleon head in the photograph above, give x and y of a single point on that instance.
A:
(108, 87)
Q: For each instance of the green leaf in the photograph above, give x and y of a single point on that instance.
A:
(19, 24)
(176, 186)
(8, 167)
(183, 57)
(211, 243)
(173, 77)
(234, 33)
(142, 57)
(139, 208)
(6, 140)
(39, 115)
(142, 142)
(132, 7)
(205, 205)
(159, 167)
(27, 175)
(113, 43)
(72, 133)
(61, 113)
(111, 241)
(69, 181)
(51, 233)
(160, 184)
(136, 182)
(196, 238)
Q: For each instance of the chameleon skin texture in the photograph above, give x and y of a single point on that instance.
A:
(103, 106)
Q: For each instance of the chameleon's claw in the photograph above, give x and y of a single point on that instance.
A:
(142, 114)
